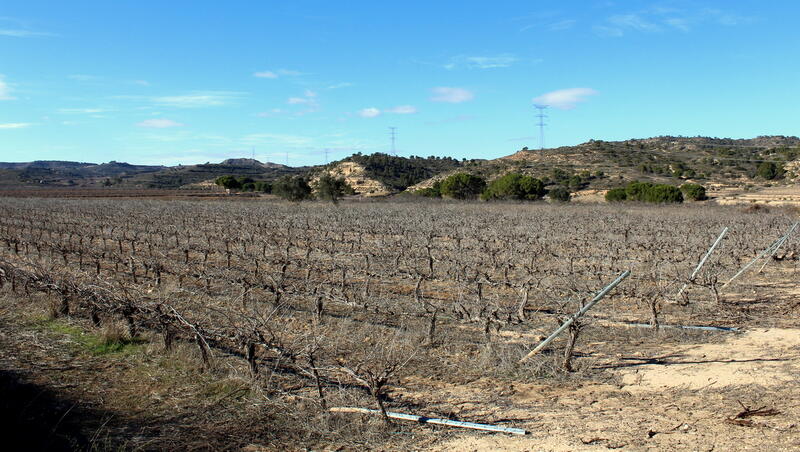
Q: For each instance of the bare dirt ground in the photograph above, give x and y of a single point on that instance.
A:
(632, 395)
(771, 196)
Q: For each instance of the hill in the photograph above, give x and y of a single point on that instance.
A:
(605, 164)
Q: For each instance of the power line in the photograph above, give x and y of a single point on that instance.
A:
(393, 132)
(541, 123)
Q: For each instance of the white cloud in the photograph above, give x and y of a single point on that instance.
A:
(402, 110)
(297, 100)
(141, 82)
(562, 25)
(198, 99)
(340, 85)
(267, 114)
(481, 62)
(22, 33)
(159, 123)
(5, 90)
(82, 110)
(15, 125)
(451, 94)
(370, 112)
(265, 74)
(633, 21)
(564, 99)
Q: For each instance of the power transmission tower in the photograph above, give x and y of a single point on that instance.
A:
(393, 132)
(541, 123)
(326, 155)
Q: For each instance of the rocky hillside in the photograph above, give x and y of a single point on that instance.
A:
(605, 164)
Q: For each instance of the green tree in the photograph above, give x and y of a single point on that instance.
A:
(463, 186)
(228, 182)
(434, 191)
(770, 171)
(332, 189)
(292, 188)
(515, 186)
(559, 194)
(616, 195)
(694, 192)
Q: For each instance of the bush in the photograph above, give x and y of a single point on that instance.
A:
(292, 188)
(228, 182)
(515, 186)
(769, 171)
(263, 187)
(694, 192)
(616, 195)
(559, 194)
(646, 192)
(462, 186)
(434, 191)
(331, 188)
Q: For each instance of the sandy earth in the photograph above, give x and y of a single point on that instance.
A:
(678, 400)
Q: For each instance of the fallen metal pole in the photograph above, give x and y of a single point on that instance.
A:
(783, 240)
(772, 247)
(577, 315)
(703, 260)
(431, 420)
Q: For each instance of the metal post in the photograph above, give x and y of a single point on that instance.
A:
(577, 315)
(772, 247)
(783, 240)
(703, 260)
(431, 420)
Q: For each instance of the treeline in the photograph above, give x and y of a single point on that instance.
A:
(656, 193)
(292, 188)
(513, 186)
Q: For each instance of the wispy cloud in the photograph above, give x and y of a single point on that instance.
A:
(265, 74)
(662, 19)
(633, 22)
(23, 33)
(402, 110)
(159, 123)
(87, 111)
(562, 25)
(370, 112)
(5, 90)
(373, 112)
(564, 99)
(15, 125)
(340, 85)
(273, 74)
(451, 95)
(198, 99)
(481, 61)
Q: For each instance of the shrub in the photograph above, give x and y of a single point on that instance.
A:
(769, 171)
(559, 194)
(228, 182)
(462, 186)
(263, 187)
(646, 192)
(515, 186)
(292, 188)
(694, 192)
(434, 191)
(616, 195)
(331, 188)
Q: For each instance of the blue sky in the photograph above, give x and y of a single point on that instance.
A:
(169, 82)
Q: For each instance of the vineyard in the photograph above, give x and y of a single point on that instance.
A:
(410, 307)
